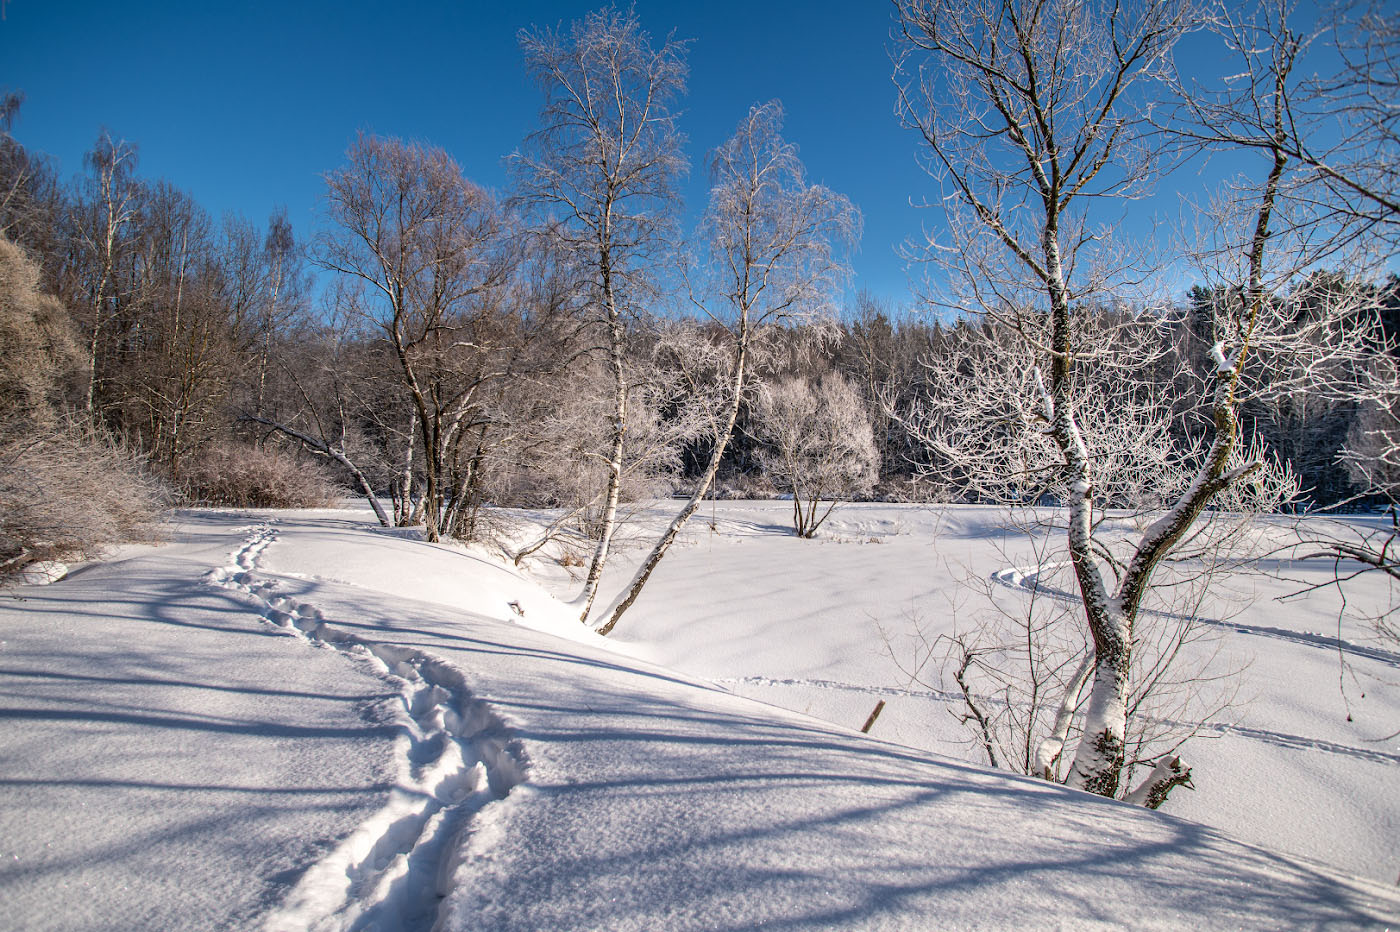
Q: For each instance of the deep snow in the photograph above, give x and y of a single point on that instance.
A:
(299, 721)
(811, 626)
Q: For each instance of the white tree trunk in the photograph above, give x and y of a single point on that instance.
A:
(617, 338)
(1098, 759)
(722, 438)
(1051, 747)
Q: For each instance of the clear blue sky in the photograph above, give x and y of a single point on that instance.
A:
(244, 105)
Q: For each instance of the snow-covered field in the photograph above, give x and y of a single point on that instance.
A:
(297, 720)
(1309, 763)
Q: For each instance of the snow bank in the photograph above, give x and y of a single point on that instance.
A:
(1305, 767)
(230, 732)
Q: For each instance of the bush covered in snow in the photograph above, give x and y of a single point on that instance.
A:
(38, 346)
(67, 491)
(819, 445)
(246, 476)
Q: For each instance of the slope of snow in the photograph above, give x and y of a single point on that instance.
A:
(295, 721)
(816, 626)
(166, 762)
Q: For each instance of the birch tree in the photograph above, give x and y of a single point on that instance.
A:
(1316, 89)
(1051, 124)
(776, 253)
(1029, 114)
(104, 216)
(603, 168)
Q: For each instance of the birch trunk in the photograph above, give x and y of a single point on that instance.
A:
(407, 510)
(616, 338)
(722, 439)
(1098, 758)
(1051, 747)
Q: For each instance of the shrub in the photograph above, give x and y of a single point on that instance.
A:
(245, 476)
(67, 491)
(820, 445)
(39, 354)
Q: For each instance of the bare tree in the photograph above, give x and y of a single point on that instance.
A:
(267, 287)
(775, 251)
(107, 210)
(1319, 108)
(30, 199)
(431, 248)
(325, 389)
(603, 167)
(1336, 125)
(176, 338)
(822, 445)
(1052, 124)
(1028, 115)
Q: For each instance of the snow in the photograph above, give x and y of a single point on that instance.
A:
(298, 721)
(1223, 364)
(43, 572)
(810, 625)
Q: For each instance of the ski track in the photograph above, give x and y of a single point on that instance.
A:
(1281, 739)
(1027, 579)
(454, 756)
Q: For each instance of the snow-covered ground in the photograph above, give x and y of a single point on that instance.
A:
(1309, 763)
(292, 721)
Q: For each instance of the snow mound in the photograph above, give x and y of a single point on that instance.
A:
(42, 573)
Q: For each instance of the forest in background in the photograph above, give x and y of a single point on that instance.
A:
(204, 348)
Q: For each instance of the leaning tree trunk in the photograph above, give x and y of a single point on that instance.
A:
(322, 448)
(1048, 752)
(722, 438)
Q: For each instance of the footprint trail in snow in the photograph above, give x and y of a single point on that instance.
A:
(1028, 579)
(454, 756)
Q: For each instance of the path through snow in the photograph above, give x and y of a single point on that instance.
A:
(654, 800)
(454, 756)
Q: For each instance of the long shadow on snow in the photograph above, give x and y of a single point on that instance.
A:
(180, 684)
(815, 847)
(719, 821)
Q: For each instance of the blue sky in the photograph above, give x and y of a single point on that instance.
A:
(244, 105)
